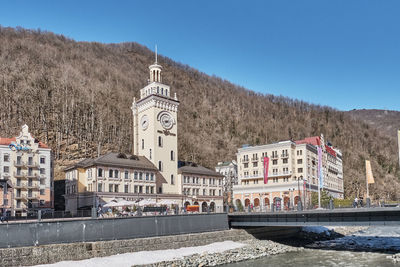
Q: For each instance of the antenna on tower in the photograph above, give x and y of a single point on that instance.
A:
(156, 54)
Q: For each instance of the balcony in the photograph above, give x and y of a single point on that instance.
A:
(284, 156)
(274, 157)
(20, 196)
(254, 159)
(33, 185)
(32, 175)
(19, 185)
(32, 165)
(20, 174)
(245, 160)
(19, 163)
(33, 196)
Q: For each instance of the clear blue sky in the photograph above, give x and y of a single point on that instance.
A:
(345, 54)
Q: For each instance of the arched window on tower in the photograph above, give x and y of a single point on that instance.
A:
(172, 155)
(154, 75)
(142, 143)
(160, 166)
(160, 141)
(150, 153)
(172, 179)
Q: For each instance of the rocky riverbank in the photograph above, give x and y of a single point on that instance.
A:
(254, 249)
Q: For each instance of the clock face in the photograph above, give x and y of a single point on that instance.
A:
(144, 122)
(166, 121)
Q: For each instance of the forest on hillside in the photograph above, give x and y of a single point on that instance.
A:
(76, 97)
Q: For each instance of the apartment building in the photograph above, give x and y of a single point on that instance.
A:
(94, 182)
(26, 165)
(292, 174)
(229, 171)
(201, 186)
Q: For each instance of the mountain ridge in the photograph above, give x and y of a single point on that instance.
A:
(76, 97)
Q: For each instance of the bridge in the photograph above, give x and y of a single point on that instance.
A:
(338, 217)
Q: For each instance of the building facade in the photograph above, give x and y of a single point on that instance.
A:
(26, 164)
(152, 171)
(229, 171)
(201, 186)
(292, 174)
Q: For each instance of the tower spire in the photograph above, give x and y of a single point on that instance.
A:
(156, 54)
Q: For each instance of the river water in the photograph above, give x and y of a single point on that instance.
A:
(365, 248)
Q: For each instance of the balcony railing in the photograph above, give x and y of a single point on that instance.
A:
(19, 163)
(33, 165)
(274, 156)
(284, 155)
(19, 174)
(245, 160)
(254, 159)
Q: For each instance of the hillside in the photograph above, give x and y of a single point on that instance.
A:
(387, 121)
(76, 97)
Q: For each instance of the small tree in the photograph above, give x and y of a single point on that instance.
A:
(325, 197)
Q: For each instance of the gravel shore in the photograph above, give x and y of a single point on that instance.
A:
(257, 248)
(254, 249)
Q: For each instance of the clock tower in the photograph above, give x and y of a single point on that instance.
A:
(155, 128)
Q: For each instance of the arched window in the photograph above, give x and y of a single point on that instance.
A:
(110, 173)
(166, 92)
(150, 153)
(158, 90)
(160, 165)
(172, 155)
(160, 141)
(142, 143)
(116, 173)
(100, 172)
(172, 179)
(154, 75)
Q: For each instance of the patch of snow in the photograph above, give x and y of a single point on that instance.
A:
(148, 257)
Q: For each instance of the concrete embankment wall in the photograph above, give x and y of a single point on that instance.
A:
(84, 250)
(90, 230)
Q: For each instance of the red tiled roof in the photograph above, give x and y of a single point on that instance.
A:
(6, 141)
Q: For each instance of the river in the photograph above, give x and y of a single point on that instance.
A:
(365, 248)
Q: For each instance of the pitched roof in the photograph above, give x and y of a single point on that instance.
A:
(116, 160)
(198, 169)
(7, 141)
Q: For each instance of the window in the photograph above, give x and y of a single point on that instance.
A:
(152, 190)
(204, 180)
(42, 181)
(99, 187)
(6, 169)
(147, 189)
(152, 176)
(116, 188)
(147, 176)
(100, 173)
(126, 175)
(150, 153)
(299, 161)
(89, 173)
(275, 162)
(140, 189)
(246, 165)
(172, 179)
(300, 170)
(110, 173)
(5, 202)
(255, 164)
(135, 175)
(43, 171)
(110, 188)
(204, 192)
(42, 192)
(142, 143)
(285, 161)
(136, 189)
(166, 92)
(6, 158)
(42, 160)
(42, 202)
(220, 193)
(160, 141)
(140, 176)
(160, 166)
(116, 173)
(172, 155)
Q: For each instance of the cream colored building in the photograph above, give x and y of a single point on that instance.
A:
(26, 165)
(155, 146)
(292, 175)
